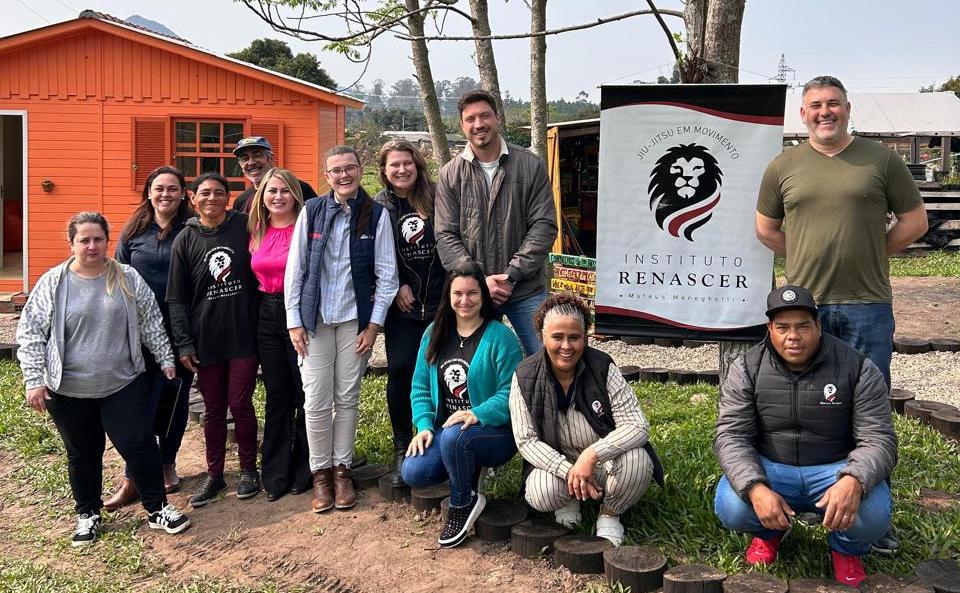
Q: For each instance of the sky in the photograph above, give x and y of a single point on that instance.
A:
(871, 45)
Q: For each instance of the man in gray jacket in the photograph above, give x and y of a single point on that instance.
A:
(805, 426)
(494, 206)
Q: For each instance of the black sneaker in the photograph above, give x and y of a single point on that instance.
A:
(886, 545)
(249, 483)
(209, 489)
(459, 522)
(168, 519)
(87, 531)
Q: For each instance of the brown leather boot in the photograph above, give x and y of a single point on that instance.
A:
(322, 490)
(127, 494)
(171, 481)
(343, 486)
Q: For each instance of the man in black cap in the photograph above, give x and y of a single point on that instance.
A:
(255, 156)
(805, 426)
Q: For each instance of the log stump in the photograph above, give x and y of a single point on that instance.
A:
(532, 539)
(911, 345)
(195, 396)
(693, 578)
(668, 342)
(898, 397)
(429, 498)
(582, 554)
(390, 492)
(196, 412)
(941, 574)
(754, 582)
(882, 583)
(639, 567)
(496, 521)
(945, 344)
(921, 409)
(947, 423)
(636, 340)
(8, 351)
(711, 377)
(819, 586)
(368, 476)
(654, 375)
(377, 368)
(682, 377)
(630, 372)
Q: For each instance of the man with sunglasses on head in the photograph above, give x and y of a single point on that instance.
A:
(255, 156)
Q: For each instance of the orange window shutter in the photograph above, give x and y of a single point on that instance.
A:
(273, 131)
(151, 148)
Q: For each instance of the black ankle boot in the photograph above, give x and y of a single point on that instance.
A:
(396, 479)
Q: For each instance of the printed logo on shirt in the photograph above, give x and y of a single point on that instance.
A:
(830, 395)
(454, 373)
(413, 228)
(365, 236)
(597, 408)
(220, 265)
(219, 262)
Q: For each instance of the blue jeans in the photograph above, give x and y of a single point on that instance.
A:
(458, 455)
(520, 313)
(801, 487)
(868, 327)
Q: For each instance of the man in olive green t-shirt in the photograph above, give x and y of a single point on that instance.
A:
(824, 205)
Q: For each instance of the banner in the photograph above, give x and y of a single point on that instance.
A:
(680, 169)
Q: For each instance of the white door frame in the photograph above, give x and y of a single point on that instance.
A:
(26, 217)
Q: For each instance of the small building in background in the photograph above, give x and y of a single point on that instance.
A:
(422, 139)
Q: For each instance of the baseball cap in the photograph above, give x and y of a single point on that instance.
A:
(790, 297)
(252, 142)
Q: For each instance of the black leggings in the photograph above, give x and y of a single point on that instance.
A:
(402, 337)
(127, 418)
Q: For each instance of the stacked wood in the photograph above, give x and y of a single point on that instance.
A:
(754, 582)
(582, 554)
(947, 423)
(532, 539)
(639, 567)
(693, 578)
(196, 412)
(911, 345)
(630, 372)
(921, 409)
(498, 518)
(654, 375)
(429, 498)
(368, 476)
(945, 344)
(390, 492)
(941, 574)
(898, 397)
(8, 351)
(819, 586)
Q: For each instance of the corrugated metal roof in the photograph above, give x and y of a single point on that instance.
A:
(888, 114)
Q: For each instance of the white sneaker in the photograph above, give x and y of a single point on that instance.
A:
(610, 528)
(569, 516)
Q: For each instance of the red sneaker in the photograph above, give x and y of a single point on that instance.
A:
(763, 551)
(847, 569)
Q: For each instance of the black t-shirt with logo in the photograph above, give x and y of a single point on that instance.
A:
(210, 274)
(453, 368)
(418, 263)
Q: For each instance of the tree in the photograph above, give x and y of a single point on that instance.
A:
(486, 61)
(276, 55)
(538, 78)
(952, 84)
(404, 93)
(428, 91)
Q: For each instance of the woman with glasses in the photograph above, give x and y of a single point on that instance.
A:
(340, 279)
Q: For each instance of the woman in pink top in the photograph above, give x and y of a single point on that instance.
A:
(274, 211)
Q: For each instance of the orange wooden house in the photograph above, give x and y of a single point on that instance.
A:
(90, 106)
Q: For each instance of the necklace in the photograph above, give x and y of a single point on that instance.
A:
(462, 340)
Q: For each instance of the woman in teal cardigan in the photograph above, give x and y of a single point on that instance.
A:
(460, 399)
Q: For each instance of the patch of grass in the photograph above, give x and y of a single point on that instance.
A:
(937, 263)
(374, 433)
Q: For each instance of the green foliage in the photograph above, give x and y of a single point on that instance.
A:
(951, 84)
(936, 263)
(276, 55)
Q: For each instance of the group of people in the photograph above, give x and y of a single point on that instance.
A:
(301, 285)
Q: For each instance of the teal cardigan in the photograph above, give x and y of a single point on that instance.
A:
(488, 381)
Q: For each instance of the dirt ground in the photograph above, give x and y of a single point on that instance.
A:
(926, 307)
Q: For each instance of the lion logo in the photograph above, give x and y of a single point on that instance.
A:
(413, 229)
(219, 265)
(455, 376)
(684, 189)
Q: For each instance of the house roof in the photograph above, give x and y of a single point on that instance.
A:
(888, 115)
(90, 19)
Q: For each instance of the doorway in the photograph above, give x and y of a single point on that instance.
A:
(13, 173)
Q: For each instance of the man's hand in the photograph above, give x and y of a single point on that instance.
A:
(771, 509)
(404, 299)
(500, 288)
(366, 339)
(300, 339)
(37, 398)
(190, 362)
(841, 502)
(580, 481)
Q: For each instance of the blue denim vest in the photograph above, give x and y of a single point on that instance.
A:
(320, 213)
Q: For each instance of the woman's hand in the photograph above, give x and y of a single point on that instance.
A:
(404, 299)
(580, 481)
(190, 361)
(170, 373)
(464, 417)
(37, 398)
(299, 337)
(420, 443)
(366, 339)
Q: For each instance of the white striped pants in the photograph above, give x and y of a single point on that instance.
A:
(624, 480)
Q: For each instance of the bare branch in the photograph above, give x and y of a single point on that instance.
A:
(666, 29)
(528, 34)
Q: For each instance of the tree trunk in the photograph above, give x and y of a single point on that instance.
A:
(729, 352)
(428, 93)
(695, 21)
(486, 62)
(722, 40)
(538, 79)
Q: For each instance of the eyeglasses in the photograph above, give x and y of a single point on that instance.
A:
(348, 170)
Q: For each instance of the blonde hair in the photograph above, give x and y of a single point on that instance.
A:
(115, 275)
(260, 215)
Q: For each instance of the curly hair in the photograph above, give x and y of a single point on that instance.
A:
(563, 303)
